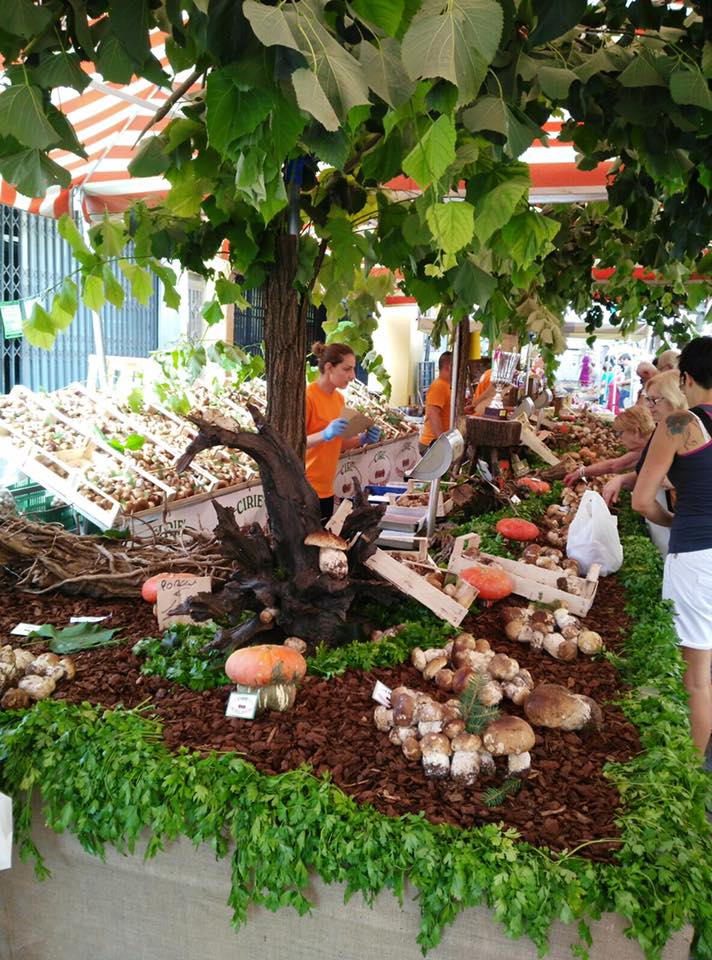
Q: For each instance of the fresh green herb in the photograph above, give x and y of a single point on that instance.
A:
(179, 655)
(80, 636)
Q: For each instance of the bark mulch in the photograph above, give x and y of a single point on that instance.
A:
(565, 802)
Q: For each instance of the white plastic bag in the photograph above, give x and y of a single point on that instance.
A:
(593, 536)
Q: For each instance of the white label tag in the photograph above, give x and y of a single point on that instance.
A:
(89, 619)
(242, 705)
(381, 694)
(25, 629)
(514, 499)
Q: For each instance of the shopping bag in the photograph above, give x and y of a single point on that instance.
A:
(593, 536)
(5, 832)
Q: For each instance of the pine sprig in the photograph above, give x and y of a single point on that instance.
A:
(495, 796)
(475, 714)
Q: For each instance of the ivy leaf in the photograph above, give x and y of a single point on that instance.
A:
(529, 235)
(109, 237)
(229, 292)
(312, 99)
(498, 205)
(68, 297)
(39, 330)
(61, 319)
(689, 87)
(554, 20)
(457, 43)
(22, 112)
(112, 61)
(32, 172)
(140, 280)
(232, 113)
(93, 292)
(555, 81)
(112, 288)
(61, 70)
(171, 297)
(641, 72)
(433, 154)
(383, 67)
(386, 15)
(452, 224)
(472, 285)
(22, 18)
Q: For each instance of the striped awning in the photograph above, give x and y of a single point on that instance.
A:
(108, 118)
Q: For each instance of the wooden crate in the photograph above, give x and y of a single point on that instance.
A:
(529, 581)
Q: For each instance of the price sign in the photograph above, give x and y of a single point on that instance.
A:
(172, 594)
(25, 629)
(242, 705)
(381, 694)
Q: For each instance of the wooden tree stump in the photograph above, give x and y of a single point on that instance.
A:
(278, 576)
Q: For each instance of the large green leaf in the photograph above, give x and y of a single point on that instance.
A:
(93, 292)
(386, 15)
(231, 112)
(528, 235)
(690, 87)
(112, 61)
(492, 113)
(131, 21)
(452, 224)
(312, 99)
(187, 192)
(22, 116)
(151, 158)
(32, 172)
(69, 231)
(641, 72)
(270, 25)
(456, 40)
(330, 147)
(73, 639)
(384, 71)
(498, 205)
(39, 330)
(707, 59)
(22, 18)
(554, 19)
(61, 70)
(140, 280)
(434, 153)
(555, 81)
(472, 285)
(112, 288)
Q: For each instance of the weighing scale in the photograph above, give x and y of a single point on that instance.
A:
(434, 464)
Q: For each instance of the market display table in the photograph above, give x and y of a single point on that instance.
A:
(173, 907)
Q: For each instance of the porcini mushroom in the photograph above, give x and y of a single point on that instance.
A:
(589, 642)
(436, 755)
(551, 705)
(15, 699)
(39, 688)
(511, 737)
(332, 552)
(465, 763)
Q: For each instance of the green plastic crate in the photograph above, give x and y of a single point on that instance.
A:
(36, 503)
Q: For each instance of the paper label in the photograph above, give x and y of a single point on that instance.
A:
(89, 619)
(5, 832)
(242, 705)
(514, 499)
(25, 629)
(174, 591)
(381, 694)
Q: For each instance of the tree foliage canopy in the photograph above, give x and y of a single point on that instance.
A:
(326, 101)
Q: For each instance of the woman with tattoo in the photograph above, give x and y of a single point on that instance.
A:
(681, 448)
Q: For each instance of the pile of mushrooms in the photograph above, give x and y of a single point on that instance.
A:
(552, 558)
(25, 677)
(551, 705)
(435, 734)
(558, 632)
(451, 668)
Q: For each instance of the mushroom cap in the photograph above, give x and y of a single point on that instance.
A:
(492, 583)
(435, 743)
(466, 741)
(508, 735)
(265, 664)
(502, 667)
(324, 539)
(513, 528)
(551, 705)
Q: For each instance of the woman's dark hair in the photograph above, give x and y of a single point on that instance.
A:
(333, 353)
(696, 359)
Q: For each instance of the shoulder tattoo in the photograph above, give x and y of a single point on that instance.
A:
(678, 423)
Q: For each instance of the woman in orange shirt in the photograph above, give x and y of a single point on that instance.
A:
(325, 404)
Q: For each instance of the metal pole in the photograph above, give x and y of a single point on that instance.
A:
(99, 349)
(433, 506)
(453, 381)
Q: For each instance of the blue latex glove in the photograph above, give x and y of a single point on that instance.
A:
(335, 428)
(372, 435)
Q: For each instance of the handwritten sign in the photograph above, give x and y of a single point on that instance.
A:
(173, 592)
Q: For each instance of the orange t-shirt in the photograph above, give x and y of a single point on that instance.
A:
(482, 386)
(438, 395)
(322, 460)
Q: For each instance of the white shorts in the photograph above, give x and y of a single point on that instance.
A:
(688, 583)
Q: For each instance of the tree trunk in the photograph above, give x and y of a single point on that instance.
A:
(462, 332)
(285, 347)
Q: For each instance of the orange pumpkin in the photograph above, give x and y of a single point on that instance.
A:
(534, 484)
(491, 582)
(515, 529)
(149, 591)
(265, 664)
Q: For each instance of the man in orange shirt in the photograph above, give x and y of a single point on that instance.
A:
(437, 404)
